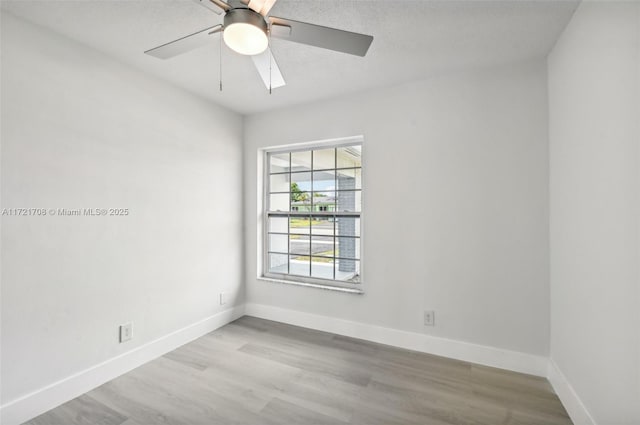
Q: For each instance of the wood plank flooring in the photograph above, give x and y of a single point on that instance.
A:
(256, 372)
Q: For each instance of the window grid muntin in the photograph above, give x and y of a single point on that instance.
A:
(310, 235)
(310, 215)
(312, 204)
(315, 171)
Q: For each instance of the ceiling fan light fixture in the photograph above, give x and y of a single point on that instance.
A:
(245, 32)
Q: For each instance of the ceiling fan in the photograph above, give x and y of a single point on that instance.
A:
(246, 29)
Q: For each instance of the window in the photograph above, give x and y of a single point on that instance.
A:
(313, 206)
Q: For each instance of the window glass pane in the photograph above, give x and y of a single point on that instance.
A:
(324, 181)
(349, 200)
(300, 183)
(299, 225)
(279, 183)
(324, 159)
(349, 179)
(322, 267)
(301, 201)
(348, 248)
(347, 270)
(299, 265)
(279, 202)
(300, 245)
(349, 157)
(322, 246)
(302, 180)
(347, 226)
(279, 162)
(322, 226)
(278, 263)
(324, 201)
(301, 161)
(278, 224)
(278, 243)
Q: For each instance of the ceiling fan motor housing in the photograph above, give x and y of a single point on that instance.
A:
(245, 16)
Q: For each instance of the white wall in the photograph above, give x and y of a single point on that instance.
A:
(455, 205)
(82, 131)
(594, 96)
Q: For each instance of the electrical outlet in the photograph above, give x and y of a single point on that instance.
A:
(223, 298)
(126, 332)
(429, 318)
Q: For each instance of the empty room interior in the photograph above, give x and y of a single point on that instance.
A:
(307, 212)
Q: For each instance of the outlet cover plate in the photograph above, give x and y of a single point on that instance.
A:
(429, 318)
(126, 332)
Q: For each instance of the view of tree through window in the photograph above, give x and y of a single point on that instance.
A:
(313, 214)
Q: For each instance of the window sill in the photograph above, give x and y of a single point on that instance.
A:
(314, 285)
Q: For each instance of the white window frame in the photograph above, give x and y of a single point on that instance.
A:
(351, 287)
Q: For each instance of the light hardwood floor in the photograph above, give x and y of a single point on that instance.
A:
(256, 372)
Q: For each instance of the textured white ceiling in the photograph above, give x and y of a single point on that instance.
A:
(412, 40)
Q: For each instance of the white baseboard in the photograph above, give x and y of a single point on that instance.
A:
(31, 405)
(577, 411)
(474, 353)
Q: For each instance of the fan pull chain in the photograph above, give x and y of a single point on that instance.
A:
(220, 70)
(270, 60)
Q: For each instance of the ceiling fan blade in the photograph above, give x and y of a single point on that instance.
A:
(268, 4)
(271, 78)
(261, 6)
(184, 44)
(216, 7)
(319, 36)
